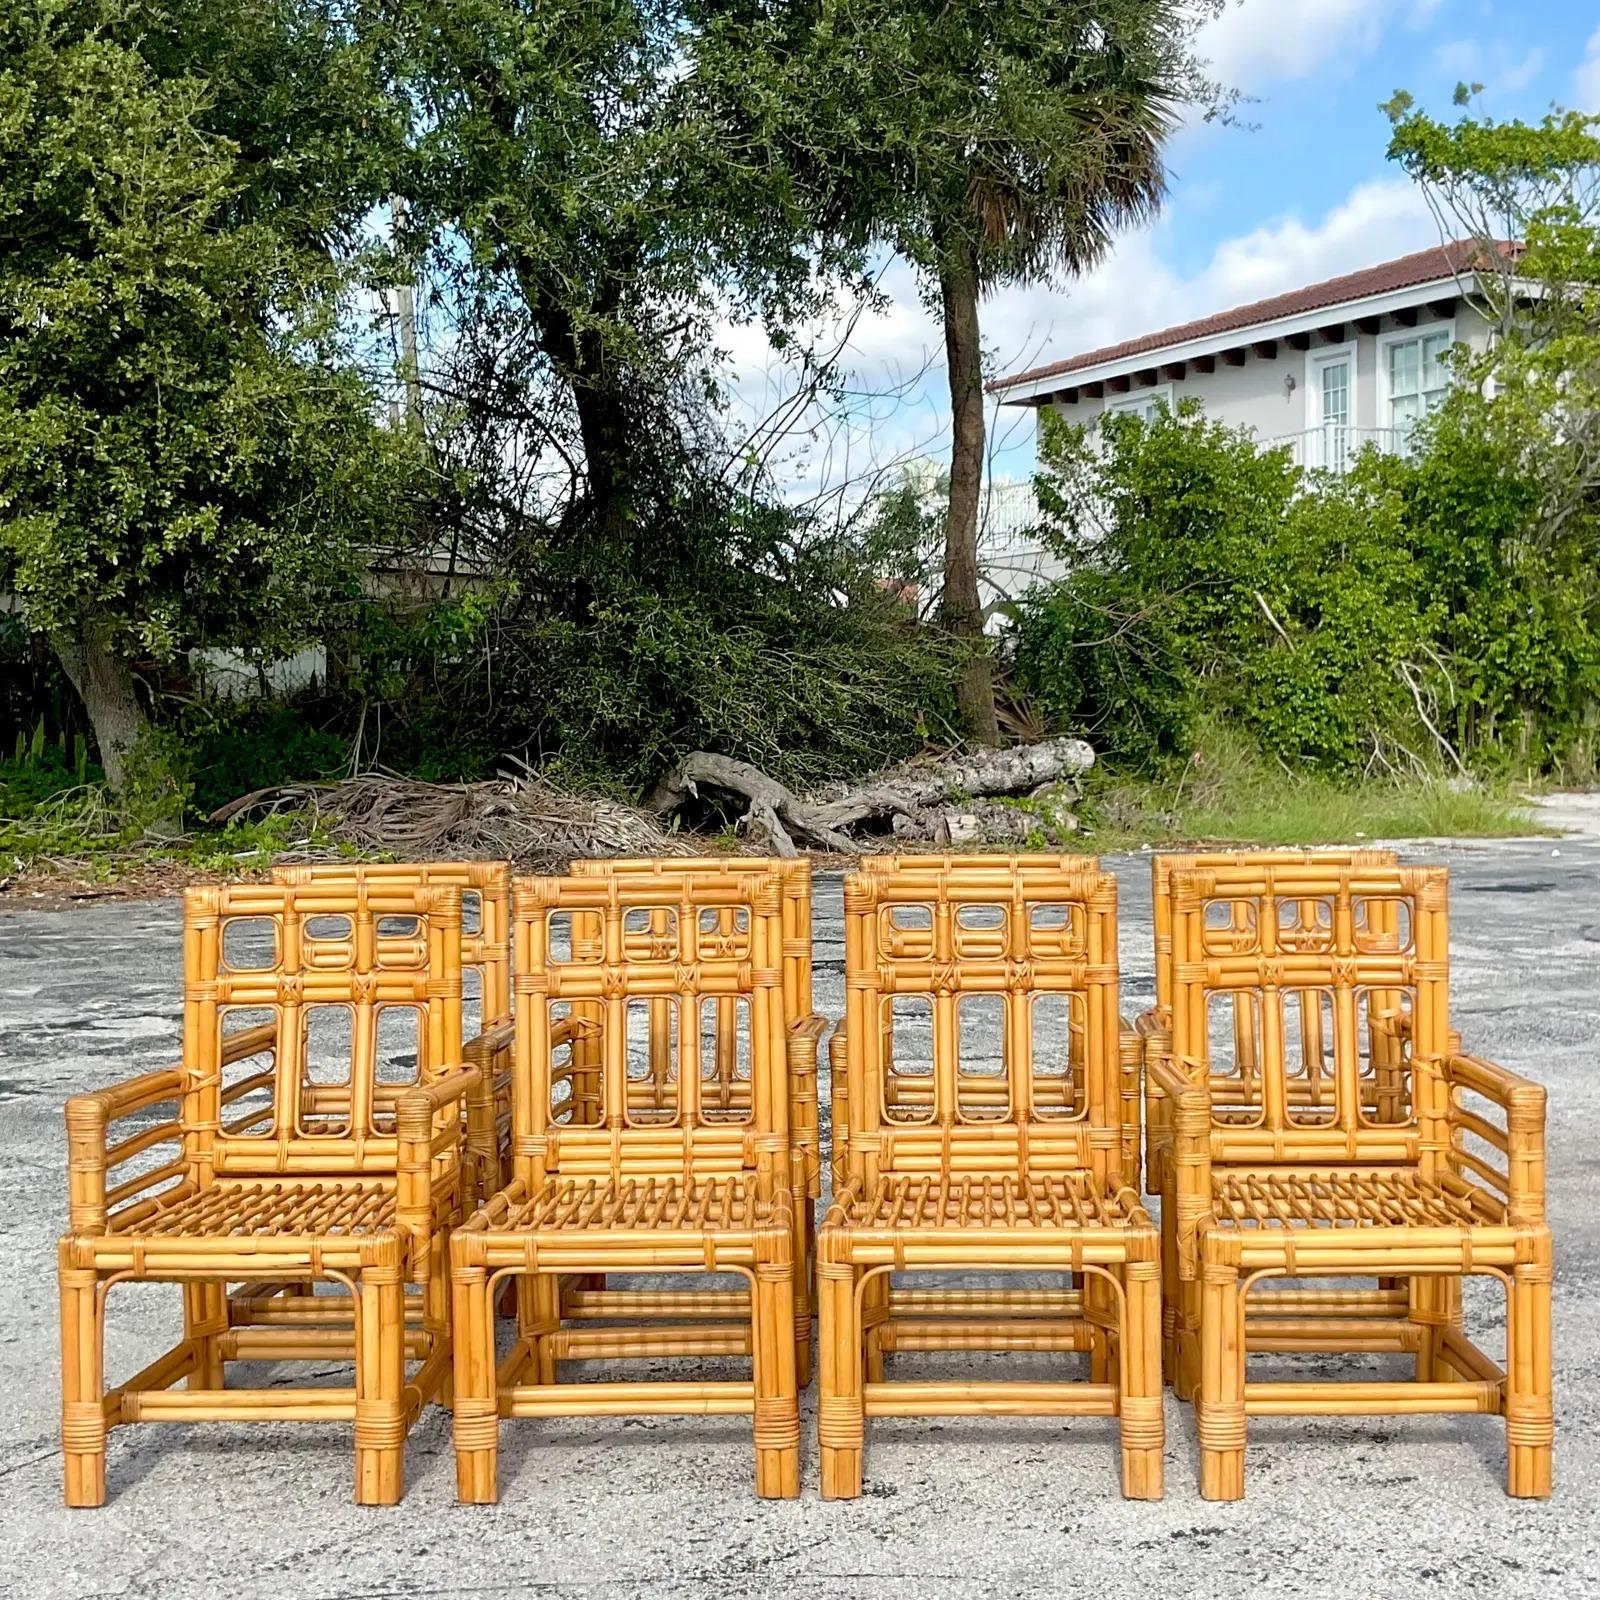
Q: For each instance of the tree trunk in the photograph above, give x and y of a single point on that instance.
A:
(105, 685)
(960, 606)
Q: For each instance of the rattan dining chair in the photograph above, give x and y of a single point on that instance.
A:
(293, 1145)
(676, 1174)
(985, 1067)
(803, 1030)
(1235, 1074)
(1411, 1163)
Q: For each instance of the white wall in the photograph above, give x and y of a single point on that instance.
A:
(1256, 395)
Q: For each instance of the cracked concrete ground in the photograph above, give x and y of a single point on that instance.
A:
(663, 1506)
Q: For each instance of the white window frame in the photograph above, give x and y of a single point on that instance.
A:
(1318, 356)
(1315, 357)
(1137, 399)
(1386, 341)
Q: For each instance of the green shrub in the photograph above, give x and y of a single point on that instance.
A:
(1400, 618)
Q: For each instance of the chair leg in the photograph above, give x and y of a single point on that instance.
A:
(1429, 1311)
(545, 1297)
(476, 1401)
(205, 1317)
(1171, 1289)
(1141, 1403)
(841, 1422)
(436, 1311)
(777, 1405)
(1530, 1413)
(1219, 1407)
(875, 1312)
(83, 1422)
(380, 1386)
(804, 1275)
(1186, 1376)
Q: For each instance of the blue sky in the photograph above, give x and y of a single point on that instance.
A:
(1303, 194)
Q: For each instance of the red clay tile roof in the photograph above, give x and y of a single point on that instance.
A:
(1406, 272)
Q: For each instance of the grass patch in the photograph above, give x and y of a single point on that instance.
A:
(1230, 794)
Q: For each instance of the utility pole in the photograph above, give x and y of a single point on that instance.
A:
(405, 300)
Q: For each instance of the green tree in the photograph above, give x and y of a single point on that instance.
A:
(988, 142)
(187, 457)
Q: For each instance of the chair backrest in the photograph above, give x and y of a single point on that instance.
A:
(794, 875)
(485, 918)
(1164, 865)
(1340, 974)
(981, 1019)
(349, 994)
(668, 989)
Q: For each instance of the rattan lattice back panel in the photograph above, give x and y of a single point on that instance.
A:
(1340, 976)
(793, 874)
(354, 996)
(1163, 866)
(485, 913)
(984, 995)
(671, 990)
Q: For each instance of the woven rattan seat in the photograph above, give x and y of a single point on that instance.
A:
(1399, 1198)
(666, 1204)
(988, 1201)
(272, 1209)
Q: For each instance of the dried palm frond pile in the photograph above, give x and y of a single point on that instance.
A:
(512, 817)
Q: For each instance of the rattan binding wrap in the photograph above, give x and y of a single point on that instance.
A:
(1411, 1163)
(957, 1168)
(248, 1163)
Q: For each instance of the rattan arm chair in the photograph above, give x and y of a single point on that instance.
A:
(957, 1168)
(1446, 1183)
(1236, 1076)
(228, 1171)
(803, 1030)
(666, 1179)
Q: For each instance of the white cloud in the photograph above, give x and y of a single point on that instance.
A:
(1586, 81)
(897, 405)
(1470, 61)
(1254, 42)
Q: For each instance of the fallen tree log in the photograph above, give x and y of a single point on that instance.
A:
(927, 801)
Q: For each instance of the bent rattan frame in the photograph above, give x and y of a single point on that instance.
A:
(672, 1186)
(1421, 1166)
(256, 1170)
(1019, 1172)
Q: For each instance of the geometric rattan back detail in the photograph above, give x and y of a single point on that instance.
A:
(485, 912)
(1340, 973)
(307, 1010)
(1165, 864)
(660, 983)
(981, 1010)
(794, 876)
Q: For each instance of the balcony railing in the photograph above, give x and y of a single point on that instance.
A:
(1333, 446)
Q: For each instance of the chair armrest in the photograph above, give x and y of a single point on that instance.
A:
(1521, 1141)
(423, 1133)
(91, 1158)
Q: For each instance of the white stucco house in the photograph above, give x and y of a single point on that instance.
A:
(1325, 369)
